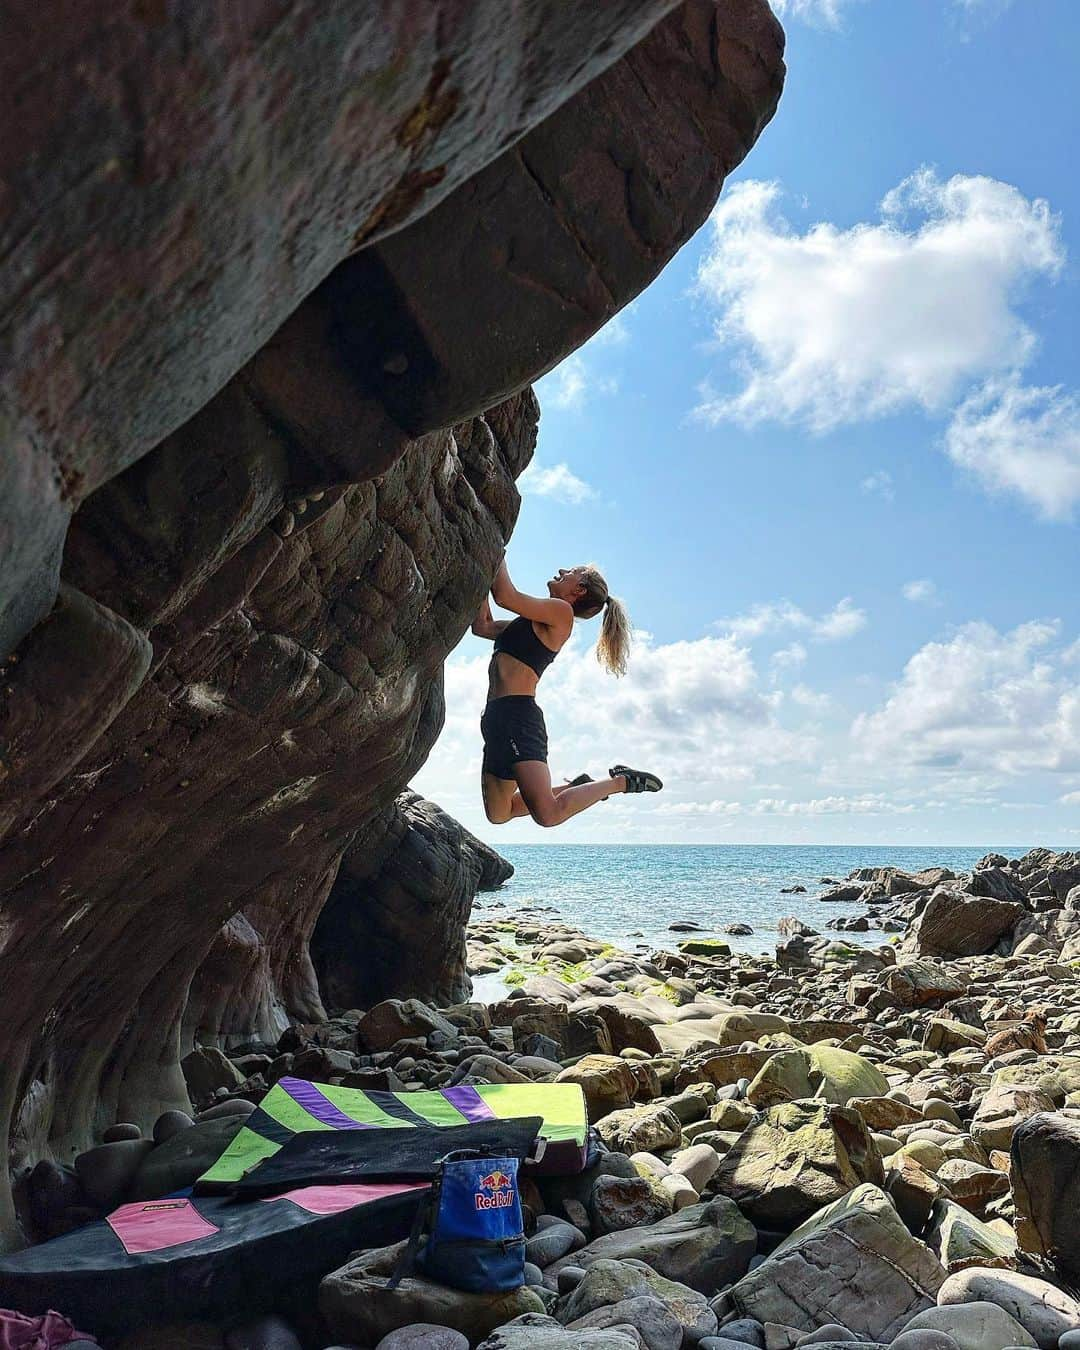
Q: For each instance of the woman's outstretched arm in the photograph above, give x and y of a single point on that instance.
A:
(547, 610)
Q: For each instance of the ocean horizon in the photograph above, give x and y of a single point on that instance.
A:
(630, 894)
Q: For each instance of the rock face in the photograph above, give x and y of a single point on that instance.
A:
(279, 366)
(853, 1263)
(955, 924)
(204, 177)
(1045, 1175)
(394, 922)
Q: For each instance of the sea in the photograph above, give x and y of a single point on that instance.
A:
(629, 894)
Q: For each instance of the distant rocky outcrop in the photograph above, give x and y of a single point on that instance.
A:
(275, 292)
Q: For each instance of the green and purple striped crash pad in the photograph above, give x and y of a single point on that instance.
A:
(293, 1105)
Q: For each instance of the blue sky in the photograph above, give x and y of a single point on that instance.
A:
(831, 461)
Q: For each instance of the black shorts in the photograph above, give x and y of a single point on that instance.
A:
(513, 729)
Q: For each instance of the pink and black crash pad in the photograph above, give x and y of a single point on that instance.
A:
(338, 1157)
(294, 1106)
(218, 1255)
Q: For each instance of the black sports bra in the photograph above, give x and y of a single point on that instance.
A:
(518, 639)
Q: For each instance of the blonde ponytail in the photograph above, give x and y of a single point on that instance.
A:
(613, 646)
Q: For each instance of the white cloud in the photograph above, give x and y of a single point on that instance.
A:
(1020, 439)
(922, 591)
(820, 13)
(555, 481)
(806, 697)
(879, 484)
(833, 325)
(1070, 799)
(693, 712)
(789, 658)
(844, 620)
(981, 702)
(876, 803)
(572, 384)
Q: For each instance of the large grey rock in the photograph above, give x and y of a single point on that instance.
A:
(955, 924)
(705, 1246)
(424, 1336)
(610, 1282)
(796, 1158)
(1003, 1109)
(654, 1322)
(973, 1326)
(854, 1263)
(1042, 1309)
(1045, 1176)
(922, 983)
(356, 1304)
(959, 1239)
(534, 1331)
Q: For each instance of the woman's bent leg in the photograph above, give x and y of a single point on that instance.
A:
(499, 795)
(549, 807)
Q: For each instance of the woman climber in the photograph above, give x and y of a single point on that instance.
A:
(515, 777)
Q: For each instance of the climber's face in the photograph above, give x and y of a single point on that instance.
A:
(566, 585)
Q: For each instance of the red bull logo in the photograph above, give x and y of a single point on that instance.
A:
(496, 1191)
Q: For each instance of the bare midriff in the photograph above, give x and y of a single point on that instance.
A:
(508, 676)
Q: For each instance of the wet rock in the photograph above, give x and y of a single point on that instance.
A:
(1046, 1188)
(854, 1263)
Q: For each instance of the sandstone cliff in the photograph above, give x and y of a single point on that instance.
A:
(277, 287)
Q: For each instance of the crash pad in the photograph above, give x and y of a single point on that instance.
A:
(338, 1157)
(293, 1105)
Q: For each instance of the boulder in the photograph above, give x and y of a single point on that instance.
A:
(537, 1331)
(356, 1304)
(959, 1239)
(705, 1246)
(955, 924)
(610, 1282)
(396, 1019)
(617, 1203)
(1042, 1309)
(1045, 1173)
(854, 1263)
(822, 1071)
(655, 1323)
(206, 1071)
(921, 984)
(422, 1336)
(108, 1171)
(796, 1158)
(640, 1129)
(607, 1082)
(1002, 1109)
(973, 1326)
(184, 1157)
